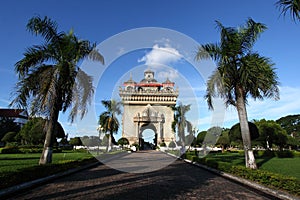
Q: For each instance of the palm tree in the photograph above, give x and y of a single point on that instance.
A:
(240, 73)
(50, 80)
(108, 120)
(181, 123)
(292, 6)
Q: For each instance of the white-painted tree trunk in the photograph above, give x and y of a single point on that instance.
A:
(245, 131)
(46, 156)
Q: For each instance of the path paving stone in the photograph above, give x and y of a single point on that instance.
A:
(179, 180)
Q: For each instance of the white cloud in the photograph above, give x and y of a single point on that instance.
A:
(171, 74)
(161, 55)
(288, 104)
(268, 108)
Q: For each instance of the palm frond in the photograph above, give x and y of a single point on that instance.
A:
(289, 6)
(250, 33)
(44, 27)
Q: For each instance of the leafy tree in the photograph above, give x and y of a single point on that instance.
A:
(190, 139)
(76, 141)
(235, 135)
(291, 124)
(9, 137)
(212, 135)
(33, 132)
(108, 120)
(123, 141)
(240, 73)
(223, 140)
(200, 137)
(172, 144)
(271, 133)
(50, 80)
(180, 122)
(94, 141)
(8, 125)
(292, 142)
(291, 6)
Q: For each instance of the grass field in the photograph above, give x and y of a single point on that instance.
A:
(19, 168)
(17, 162)
(284, 166)
(278, 170)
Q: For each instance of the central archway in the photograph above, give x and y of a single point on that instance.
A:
(146, 128)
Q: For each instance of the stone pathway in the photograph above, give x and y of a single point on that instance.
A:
(179, 180)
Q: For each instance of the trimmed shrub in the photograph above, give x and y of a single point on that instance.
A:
(284, 154)
(162, 144)
(10, 150)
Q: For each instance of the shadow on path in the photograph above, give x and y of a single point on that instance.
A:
(179, 180)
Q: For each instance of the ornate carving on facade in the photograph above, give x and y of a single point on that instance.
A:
(147, 104)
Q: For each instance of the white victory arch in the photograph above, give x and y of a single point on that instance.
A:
(147, 105)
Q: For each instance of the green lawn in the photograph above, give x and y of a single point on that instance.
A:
(19, 168)
(275, 170)
(284, 166)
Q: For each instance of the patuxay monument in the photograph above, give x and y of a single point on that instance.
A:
(147, 105)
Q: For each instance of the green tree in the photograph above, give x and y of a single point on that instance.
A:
(292, 142)
(200, 137)
(172, 144)
(180, 123)
(212, 135)
(123, 141)
(76, 141)
(7, 125)
(108, 120)
(33, 132)
(290, 6)
(291, 124)
(240, 73)
(223, 140)
(271, 133)
(50, 80)
(9, 137)
(235, 135)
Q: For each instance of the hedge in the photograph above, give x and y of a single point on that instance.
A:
(273, 180)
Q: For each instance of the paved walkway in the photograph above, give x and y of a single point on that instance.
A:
(179, 180)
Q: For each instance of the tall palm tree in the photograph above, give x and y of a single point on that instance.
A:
(50, 80)
(291, 6)
(181, 123)
(108, 119)
(240, 73)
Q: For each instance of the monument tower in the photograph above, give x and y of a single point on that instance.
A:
(147, 105)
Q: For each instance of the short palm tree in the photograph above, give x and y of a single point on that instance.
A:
(50, 80)
(240, 73)
(108, 119)
(291, 6)
(181, 123)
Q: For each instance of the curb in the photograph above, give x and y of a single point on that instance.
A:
(267, 191)
(9, 191)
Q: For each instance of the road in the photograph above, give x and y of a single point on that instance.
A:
(147, 180)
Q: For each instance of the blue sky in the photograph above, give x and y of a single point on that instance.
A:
(98, 21)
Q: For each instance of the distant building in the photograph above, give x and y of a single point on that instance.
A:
(20, 116)
(147, 105)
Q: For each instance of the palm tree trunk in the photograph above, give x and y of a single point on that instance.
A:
(46, 156)
(242, 113)
(110, 142)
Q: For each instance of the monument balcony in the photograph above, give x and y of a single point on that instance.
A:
(148, 92)
(152, 119)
